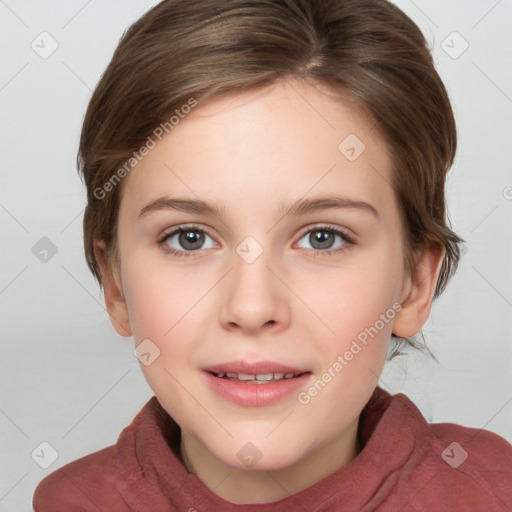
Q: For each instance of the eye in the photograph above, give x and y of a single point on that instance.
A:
(183, 240)
(327, 240)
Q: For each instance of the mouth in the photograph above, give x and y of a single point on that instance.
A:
(255, 384)
(260, 378)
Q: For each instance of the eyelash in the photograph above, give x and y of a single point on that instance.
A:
(349, 241)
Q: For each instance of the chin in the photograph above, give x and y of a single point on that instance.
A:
(259, 455)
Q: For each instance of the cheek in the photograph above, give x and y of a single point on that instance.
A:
(351, 299)
(158, 296)
(358, 307)
(165, 307)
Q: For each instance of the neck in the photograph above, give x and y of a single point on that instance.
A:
(253, 486)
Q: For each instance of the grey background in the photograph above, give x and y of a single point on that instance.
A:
(69, 380)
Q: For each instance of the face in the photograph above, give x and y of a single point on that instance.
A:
(260, 241)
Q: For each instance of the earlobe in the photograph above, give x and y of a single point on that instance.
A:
(419, 292)
(114, 298)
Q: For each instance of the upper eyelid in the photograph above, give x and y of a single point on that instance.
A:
(183, 227)
(327, 227)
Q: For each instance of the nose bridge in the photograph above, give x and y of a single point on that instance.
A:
(253, 297)
(250, 272)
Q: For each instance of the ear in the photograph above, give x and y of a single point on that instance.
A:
(114, 298)
(418, 293)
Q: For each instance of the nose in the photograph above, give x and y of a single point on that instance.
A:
(253, 298)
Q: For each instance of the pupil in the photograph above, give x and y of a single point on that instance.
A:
(323, 239)
(189, 238)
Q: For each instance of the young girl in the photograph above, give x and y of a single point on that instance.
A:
(266, 214)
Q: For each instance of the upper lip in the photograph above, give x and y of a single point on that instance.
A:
(255, 368)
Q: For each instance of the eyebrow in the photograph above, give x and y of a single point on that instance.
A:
(299, 207)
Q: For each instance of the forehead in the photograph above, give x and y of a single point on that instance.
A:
(288, 139)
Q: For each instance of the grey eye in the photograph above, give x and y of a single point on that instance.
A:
(188, 240)
(322, 238)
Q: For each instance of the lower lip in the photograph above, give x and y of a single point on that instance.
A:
(255, 395)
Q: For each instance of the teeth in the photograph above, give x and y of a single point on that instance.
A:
(243, 376)
(260, 378)
(265, 376)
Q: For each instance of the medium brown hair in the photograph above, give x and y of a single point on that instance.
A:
(367, 50)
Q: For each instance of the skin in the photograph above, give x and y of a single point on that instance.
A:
(253, 153)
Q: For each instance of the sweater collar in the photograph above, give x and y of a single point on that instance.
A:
(149, 449)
